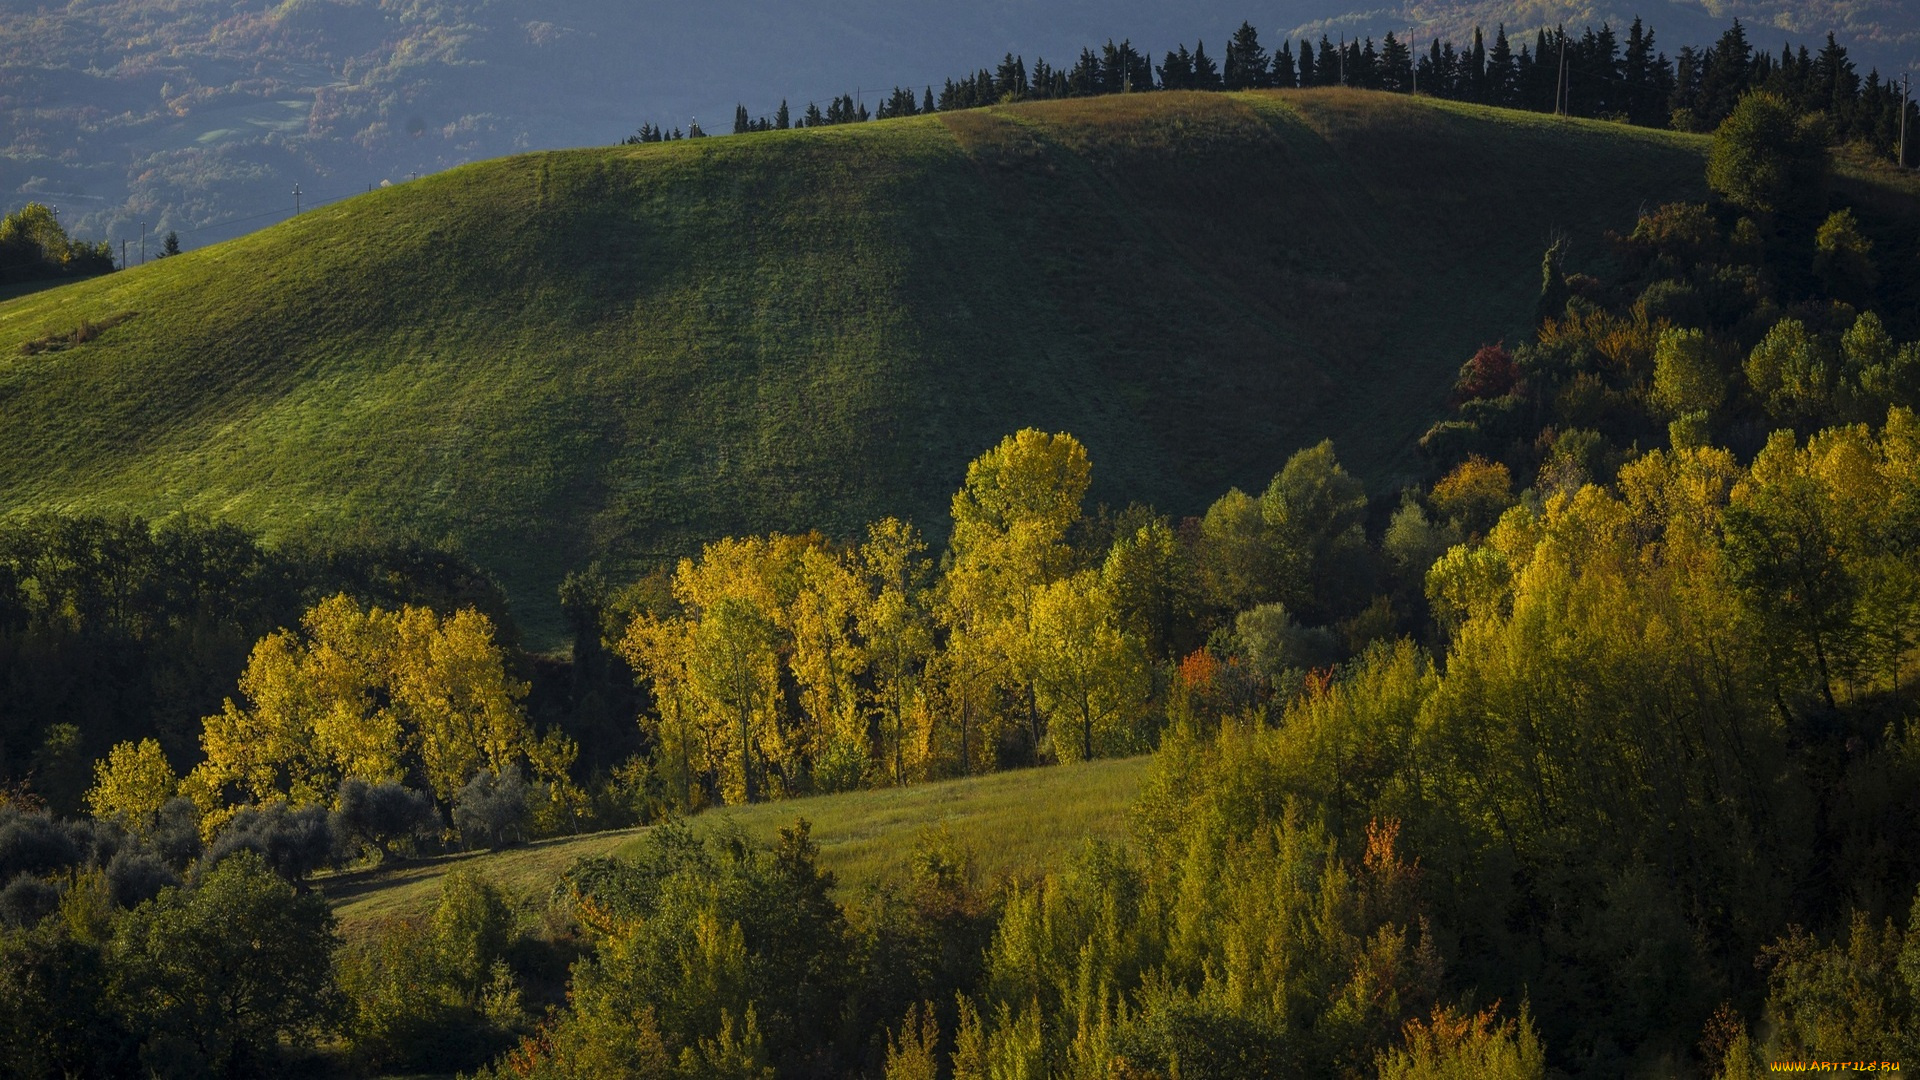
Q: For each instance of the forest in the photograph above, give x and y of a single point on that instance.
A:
(1593, 755)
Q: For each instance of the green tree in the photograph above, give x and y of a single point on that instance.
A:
(1843, 259)
(56, 1018)
(1316, 508)
(1150, 579)
(218, 975)
(1686, 373)
(735, 670)
(1242, 560)
(1792, 372)
(1769, 159)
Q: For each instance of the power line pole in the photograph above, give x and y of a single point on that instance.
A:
(143, 243)
(123, 253)
(1560, 84)
(1413, 60)
(1343, 58)
(296, 197)
(1906, 82)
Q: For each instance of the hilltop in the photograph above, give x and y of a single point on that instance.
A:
(201, 115)
(621, 353)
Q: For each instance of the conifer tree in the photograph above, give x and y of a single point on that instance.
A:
(1176, 73)
(782, 120)
(1247, 62)
(1282, 74)
(1205, 75)
(1502, 73)
(1395, 66)
(1308, 75)
(741, 124)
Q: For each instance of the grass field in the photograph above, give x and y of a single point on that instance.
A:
(1013, 823)
(621, 353)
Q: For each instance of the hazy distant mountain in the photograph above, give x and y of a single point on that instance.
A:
(202, 115)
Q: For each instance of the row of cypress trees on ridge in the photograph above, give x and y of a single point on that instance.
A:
(1593, 74)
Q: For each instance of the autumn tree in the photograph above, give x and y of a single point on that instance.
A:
(370, 694)
(897, 628)
(131, 785)
(1011, 518)
(1090, 677)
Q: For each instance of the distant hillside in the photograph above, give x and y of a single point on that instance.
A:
(622, 353)
(202, 115)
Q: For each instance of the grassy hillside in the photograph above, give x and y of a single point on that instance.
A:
(1014, 823)
(621, 353)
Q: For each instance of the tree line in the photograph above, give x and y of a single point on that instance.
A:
(1593, 74)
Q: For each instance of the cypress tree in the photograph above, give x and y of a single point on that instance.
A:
(1085, 79)
(1366, 73)
(926, 106)
(1205, 75)
(1500, 69)
(1308, 76)
(740, 122)
(1328, 63)
(1685, 98)
(1283, 71)
(782, 120)
(1475, 76)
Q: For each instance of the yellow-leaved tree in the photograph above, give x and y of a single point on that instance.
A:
(1010, 523)
(898, 632)
(131, 785)
(1090, 677)
(721, 722)
(373, 694)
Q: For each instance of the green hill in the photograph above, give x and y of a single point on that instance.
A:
(620, 353)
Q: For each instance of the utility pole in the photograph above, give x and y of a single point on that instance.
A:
(123, 253)
(296, 197)
(1906, 82)
(143, 243)
(1413, 60)
(1560, 85)
(1343, 58)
